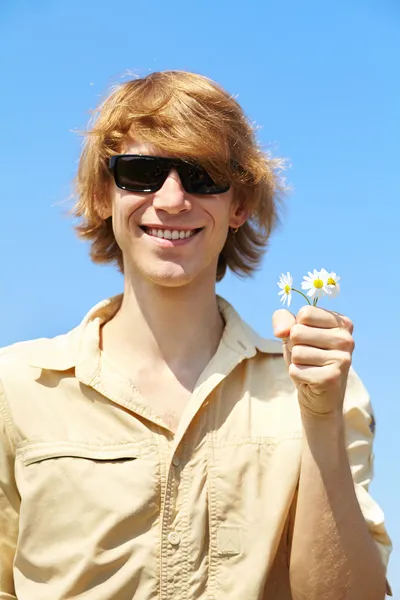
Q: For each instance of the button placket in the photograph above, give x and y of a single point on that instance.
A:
(176, 461)
(171, 540)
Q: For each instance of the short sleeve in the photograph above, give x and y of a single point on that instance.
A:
(360, 432)
(9, 503)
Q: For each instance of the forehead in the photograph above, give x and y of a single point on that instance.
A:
(136, 147)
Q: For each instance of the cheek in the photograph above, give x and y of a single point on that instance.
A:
(220, 209)
(125, 206)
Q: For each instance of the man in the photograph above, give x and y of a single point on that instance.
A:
(162, 449)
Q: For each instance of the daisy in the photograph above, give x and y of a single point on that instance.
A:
(317, 284)
(285, 283)
(332, 281)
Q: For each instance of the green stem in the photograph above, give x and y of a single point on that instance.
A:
(301, 294)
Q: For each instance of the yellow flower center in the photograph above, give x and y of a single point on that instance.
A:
(318, 283)
(331, 281)
(287, 289)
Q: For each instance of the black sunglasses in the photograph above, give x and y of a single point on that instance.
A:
(137, 173)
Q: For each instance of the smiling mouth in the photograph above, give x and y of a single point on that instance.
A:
(170, 234)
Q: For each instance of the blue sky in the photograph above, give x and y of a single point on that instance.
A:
(321, 81)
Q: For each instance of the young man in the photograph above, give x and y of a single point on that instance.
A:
(162, 449)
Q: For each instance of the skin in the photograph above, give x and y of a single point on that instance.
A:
(333, 556)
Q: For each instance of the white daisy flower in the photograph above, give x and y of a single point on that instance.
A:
(316, 283)
(332, 281)
(285, 283)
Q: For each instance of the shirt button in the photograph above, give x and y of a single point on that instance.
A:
(175, 461)
(174, 538)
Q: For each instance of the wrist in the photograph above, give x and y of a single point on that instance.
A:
(324, 438)
(332, 420)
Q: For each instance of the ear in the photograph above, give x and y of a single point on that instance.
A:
(239, 215)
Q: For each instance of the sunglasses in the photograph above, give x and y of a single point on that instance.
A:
(137, 173)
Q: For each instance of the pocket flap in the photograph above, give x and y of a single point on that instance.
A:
(39, 451)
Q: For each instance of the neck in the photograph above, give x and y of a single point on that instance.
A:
(172, 325)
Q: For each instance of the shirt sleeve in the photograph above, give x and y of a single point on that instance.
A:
(9, 503)
(360, 433)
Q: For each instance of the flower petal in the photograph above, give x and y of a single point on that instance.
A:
(323, 274)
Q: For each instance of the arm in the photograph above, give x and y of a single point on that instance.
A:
(9, 504)
(333, 554)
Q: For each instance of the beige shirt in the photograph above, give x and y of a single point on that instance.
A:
(99, 500)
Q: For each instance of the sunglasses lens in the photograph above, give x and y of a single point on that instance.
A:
(139, 173)
(148, 173)
(197, 181)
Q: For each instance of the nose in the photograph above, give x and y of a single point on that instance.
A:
(172, 197)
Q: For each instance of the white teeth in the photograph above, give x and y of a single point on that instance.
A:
(167, 234)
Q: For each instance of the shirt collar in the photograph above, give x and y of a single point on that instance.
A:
(240, 336)
(80, 348)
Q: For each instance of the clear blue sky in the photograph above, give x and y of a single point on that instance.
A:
(321, 79)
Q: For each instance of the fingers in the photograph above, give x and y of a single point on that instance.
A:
(315, 357)
(314, 316)
(325, 377)
(315, 338)
(326, 339)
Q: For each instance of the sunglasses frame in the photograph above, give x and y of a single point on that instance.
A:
(178, 163)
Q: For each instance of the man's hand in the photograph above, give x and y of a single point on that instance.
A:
(318, 347)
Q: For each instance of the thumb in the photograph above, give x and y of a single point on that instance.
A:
(282, 322)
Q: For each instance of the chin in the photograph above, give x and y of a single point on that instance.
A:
(170, 276)
(174, 275)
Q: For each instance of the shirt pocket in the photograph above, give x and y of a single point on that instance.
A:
(251, 487)
(76, 491)
(254, 476)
